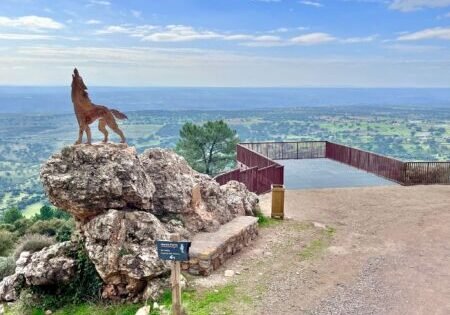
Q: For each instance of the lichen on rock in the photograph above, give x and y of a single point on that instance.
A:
(121, 244)
(87, 180)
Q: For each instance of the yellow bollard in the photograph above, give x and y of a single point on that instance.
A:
(278, 202)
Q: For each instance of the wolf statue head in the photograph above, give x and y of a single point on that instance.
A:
(77, 81)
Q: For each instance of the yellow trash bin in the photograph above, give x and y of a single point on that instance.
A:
(278, 201)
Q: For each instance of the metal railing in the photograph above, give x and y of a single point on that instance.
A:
(258, 170)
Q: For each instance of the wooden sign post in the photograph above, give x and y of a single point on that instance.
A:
(176, 281)
(176, 251)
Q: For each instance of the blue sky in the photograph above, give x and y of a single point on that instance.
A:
(310, 43)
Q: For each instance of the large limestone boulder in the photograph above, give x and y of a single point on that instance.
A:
(122, 247)
(195, 199)
(53, 265)
(86, 180)
(173, 179)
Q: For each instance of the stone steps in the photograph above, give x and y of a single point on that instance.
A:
(210, 250)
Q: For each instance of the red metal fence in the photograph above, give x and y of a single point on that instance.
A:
(258, 170)
(380, 165)
(417, 173)
(255, 170)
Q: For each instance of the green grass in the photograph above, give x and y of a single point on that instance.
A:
(33, 209)
(207, 302)
(317, 246)
(89, 309)
(264, 221)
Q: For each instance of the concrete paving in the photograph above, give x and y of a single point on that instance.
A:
(325, 173)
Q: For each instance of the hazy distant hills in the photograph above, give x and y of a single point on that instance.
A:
(57, 99)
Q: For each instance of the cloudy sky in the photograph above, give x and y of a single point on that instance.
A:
(306, 43)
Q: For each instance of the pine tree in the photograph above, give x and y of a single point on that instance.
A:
(208, 148)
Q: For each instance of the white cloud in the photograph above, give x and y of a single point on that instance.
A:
(9, 36)
(30, 22)
(279, 30)
(355, 40)
(134, 31)
(238, 37)
(180, 33)
(183, 33)
(183, 67)
(266, 38)
(312, 3)
(312, 39)
(99, 2)
(430, 33)
(93, 22)
(412, 5)
(267, 1)
(408, 48)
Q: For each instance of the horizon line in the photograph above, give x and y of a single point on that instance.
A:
(231, 87)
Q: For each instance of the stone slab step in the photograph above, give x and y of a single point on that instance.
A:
(210, 250)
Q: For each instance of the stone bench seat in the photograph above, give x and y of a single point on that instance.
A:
(210, 250)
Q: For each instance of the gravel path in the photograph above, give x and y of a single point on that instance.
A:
(378, 250)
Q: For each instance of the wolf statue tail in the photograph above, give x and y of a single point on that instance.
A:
(118, 115)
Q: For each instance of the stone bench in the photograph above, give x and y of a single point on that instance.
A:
(210, 250)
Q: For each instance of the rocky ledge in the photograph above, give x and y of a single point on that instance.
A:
(123, 202)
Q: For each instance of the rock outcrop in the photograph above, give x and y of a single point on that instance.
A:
(88, 180)
(122, 247)
(50, 266)
(53, 265)
(122, 204)
(195, 199)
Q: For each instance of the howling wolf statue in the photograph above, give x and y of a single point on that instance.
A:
(87, 112)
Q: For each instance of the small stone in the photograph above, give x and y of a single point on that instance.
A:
(237, 273)
(297, 273)
(319, 225)
(155, 305)
(145, 310)
(229, 273)
(260, 274)
(216, 291)
(267, 253)
(48, 312)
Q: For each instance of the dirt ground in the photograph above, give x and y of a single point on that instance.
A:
(377, 250)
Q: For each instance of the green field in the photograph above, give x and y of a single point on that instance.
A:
(401, 132)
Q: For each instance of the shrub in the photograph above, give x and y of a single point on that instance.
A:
(48, 227)
(46, 213)
(6, 242)
(21, 226)
(7, 227)
(7, 266)
(65, 232)
(61, 214)
(32, 243)
(11, 215)
(85, 287)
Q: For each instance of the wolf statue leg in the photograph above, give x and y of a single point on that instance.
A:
(88, 134)
(102, 128)
(111, 122)
(80, 136)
